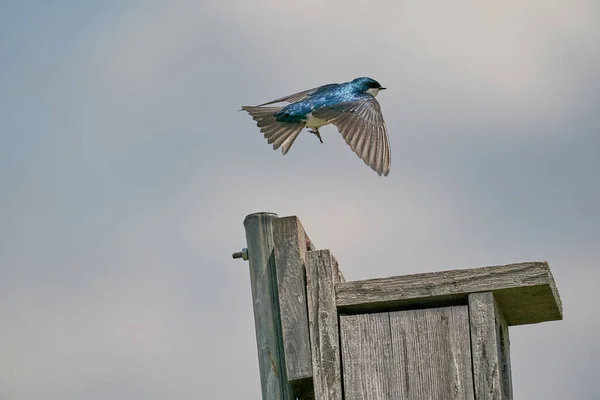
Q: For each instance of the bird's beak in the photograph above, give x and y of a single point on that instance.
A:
(383, 88)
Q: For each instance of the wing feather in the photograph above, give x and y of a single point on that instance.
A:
(289, 140)
(277, 133)
(361, 124)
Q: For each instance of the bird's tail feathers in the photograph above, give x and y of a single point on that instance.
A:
(278, 133)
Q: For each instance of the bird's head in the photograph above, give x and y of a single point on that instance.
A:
(368, 85)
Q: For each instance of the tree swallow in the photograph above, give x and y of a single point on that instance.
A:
(350, 106)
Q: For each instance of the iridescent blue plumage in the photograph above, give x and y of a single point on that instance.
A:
(350, 106)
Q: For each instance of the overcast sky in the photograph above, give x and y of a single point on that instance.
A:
(126, 172)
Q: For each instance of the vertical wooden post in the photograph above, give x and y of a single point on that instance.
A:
(321, 276)
(490, 348)
(291, 246)
(263, 279)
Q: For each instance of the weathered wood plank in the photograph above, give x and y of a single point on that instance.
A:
(506, 372)
(368, 358)
(412, 354)
(525, 292)
(291, 244)
(489, 343)
(432, 352)
(259, 239)
(321, 276)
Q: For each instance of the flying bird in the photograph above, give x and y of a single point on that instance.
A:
(350, 106)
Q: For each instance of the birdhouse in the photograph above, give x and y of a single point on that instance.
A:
(439, 335)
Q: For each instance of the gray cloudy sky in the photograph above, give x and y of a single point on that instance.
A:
(126, 172)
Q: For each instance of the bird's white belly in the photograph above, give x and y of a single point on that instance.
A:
(313, 122)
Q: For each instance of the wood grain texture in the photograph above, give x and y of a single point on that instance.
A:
(489, 344)
(436, 354)
(263, 280)
(525, 292)
(291, 243)
(321, 276)
(506, 372)
(412, 354)
(368, 358)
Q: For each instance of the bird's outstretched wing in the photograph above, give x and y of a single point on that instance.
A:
(362, 126)
(277, 133)
(293, 98)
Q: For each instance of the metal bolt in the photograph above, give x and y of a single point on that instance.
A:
(241, 254)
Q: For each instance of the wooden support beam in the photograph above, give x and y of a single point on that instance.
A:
(525, 292)
(291, 245)
(263, 280)
(490, 348)
(321, 276)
